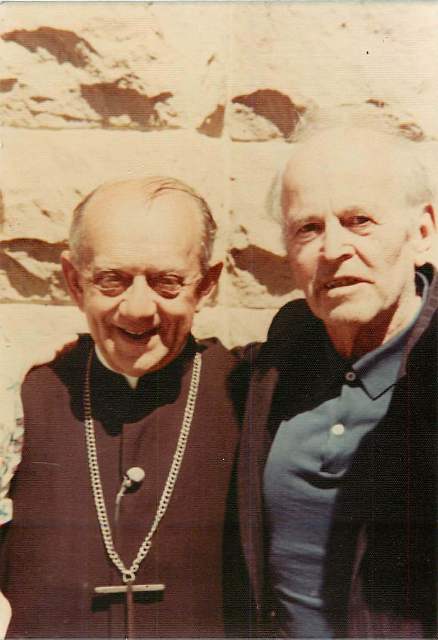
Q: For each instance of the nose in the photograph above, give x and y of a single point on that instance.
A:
(138, 300)
(336, 241)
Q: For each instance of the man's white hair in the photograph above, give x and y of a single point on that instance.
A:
(418, 190)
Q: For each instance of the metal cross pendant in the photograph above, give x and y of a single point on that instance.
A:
(129, 589)
(123, 588)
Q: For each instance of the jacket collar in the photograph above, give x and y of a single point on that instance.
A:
(426, 316)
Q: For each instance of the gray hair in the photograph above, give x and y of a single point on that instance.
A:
(152, 187)
(418, 190)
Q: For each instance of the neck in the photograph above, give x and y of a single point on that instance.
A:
(353, 341)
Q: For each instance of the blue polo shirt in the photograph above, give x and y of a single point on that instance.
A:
(310, 455)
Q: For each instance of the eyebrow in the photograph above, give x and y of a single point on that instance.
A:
(149, 272)
(355, 210)
(299, 219)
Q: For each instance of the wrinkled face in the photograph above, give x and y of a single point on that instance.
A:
(351, 238)
(138, 255)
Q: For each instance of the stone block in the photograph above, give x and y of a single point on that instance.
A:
(112, 65)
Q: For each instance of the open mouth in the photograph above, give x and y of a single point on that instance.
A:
(342, 282)
(138, 336)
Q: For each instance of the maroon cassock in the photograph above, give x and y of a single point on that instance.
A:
(53, 555)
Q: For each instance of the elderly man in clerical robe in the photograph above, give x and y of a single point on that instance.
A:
(339, 453)
(121, 498)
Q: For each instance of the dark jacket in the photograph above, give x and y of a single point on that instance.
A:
(381, 581)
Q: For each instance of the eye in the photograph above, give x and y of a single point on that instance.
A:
(112, 283)
(359, 222)
(166, 285)
(308, 230)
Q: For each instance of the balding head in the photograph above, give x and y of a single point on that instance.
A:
(142, 191)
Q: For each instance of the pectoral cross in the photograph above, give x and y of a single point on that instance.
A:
(129, 589)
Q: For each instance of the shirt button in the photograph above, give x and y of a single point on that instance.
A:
(350, 376)
(337, 429)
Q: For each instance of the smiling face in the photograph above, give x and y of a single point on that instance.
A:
(353, 240)
(137, 255)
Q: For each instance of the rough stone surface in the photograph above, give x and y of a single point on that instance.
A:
(213, 93)
(117, 66)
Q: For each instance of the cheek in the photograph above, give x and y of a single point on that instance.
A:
(384, 250)
(97, 309)
(391, 264)
(302, 270)
(177, 319)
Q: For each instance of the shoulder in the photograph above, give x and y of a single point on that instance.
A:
(422, 341)
(216, 356)
(66, 369)
(294, 320)
(228, 367)
(293, 335)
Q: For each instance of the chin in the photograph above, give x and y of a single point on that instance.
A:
(349, 314)
(132, 362)
(147, 364)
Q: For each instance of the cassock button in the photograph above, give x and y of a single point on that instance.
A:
(350, 376)
(272, 614)
(337, 429)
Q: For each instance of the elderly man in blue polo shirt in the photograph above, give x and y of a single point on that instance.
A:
(343, 397)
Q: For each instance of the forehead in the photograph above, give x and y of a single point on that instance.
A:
(338, 175)
(122, 228)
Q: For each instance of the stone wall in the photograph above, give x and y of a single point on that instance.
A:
(211, 93)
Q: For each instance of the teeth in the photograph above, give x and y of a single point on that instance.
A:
(135, 333)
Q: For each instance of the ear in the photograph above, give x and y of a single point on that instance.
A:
(425, 231)
(208, 283)
(72, 278)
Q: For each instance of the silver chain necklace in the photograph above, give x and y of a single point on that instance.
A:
(128, 575)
